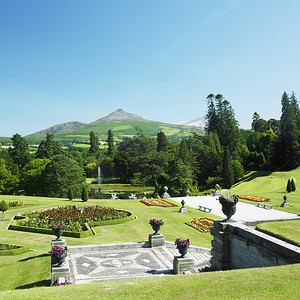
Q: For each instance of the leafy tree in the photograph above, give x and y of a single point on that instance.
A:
(287, 148)
(31, 179)
(289, 186)
(8, 181)
(60, 174)
(259, 124)
(181, 178)
(91, 170)
(19, 152)
(107, 166)
(84, 194)
(228, 175)
(238, 170)
(48, 148)
(162, 142)
(94, 144)
(111, 144)
(184, 152)
(220, 118)
(274, 125)
(3, 207)
(70, 194)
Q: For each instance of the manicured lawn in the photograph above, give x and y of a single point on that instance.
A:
(286, 230)
(263, 283)
(33, 268)
(271, 185)
(38, 261)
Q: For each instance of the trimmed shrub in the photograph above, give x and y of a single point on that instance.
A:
(9, 249)
(87, 231)
(293, 185)
(289, 186)
(84, 194)
(70, 194)
(3, 207)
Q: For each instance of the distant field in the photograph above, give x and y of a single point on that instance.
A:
(120, 130)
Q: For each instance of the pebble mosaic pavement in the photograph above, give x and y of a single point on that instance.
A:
(118, 264)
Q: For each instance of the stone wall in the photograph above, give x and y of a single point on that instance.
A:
(237, 246)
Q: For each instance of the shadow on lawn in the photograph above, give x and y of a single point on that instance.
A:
(255, 175)
(34, 284)
(33, 257)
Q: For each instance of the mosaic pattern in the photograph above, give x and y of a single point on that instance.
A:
(126, 263)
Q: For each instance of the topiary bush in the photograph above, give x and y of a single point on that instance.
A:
(3, 207)
(70, 194)
(289, 186)
(84, 194)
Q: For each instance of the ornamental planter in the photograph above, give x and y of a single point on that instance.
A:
(228, 206)
(182, 250)
(59, 260)
(156, 228)
(58, 232)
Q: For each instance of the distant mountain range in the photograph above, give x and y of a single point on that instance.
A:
(122, 123)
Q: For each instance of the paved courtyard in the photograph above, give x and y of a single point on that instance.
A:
(124, 261)
(244, 211)
(94, 263)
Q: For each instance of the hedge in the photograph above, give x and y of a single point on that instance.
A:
(87, 231)
(16, 250)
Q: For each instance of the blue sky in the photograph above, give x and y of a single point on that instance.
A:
(71, 60)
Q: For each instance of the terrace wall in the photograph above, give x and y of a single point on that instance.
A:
(237, 246)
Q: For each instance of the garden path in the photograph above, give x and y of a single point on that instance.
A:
(244, 211)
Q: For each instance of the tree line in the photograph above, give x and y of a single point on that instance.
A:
(197, 163)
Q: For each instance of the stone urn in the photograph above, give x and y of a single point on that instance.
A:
(182, 246)
(156, 228)
(156, 224)
(182, 250)
(59, 260)
(58, 232)
(229, 205)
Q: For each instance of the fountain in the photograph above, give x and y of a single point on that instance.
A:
(99, 179)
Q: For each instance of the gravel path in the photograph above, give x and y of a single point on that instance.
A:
(244, 211)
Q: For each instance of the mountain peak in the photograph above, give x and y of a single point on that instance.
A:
(118, 115)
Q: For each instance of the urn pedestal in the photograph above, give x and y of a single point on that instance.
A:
(156, 240)
(182, 264)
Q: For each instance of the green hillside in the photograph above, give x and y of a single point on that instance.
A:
(120, 130)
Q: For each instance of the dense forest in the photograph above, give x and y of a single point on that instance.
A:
(223, 155)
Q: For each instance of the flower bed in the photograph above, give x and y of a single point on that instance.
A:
(201, 224)
(73, 218)
(158, 202)
(254, 198)
(15, 203)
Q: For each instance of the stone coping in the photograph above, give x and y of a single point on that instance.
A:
(132, 245)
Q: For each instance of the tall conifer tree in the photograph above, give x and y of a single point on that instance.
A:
(111, 144)
(228, 174)
(286, 148)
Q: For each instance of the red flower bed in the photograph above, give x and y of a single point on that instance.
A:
(69, 217)
(254, 198)
(158, 202)
(201, 224)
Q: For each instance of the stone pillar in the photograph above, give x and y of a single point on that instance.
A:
(220, 246)
(60, 273)
(182, 264)
(156, 240)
